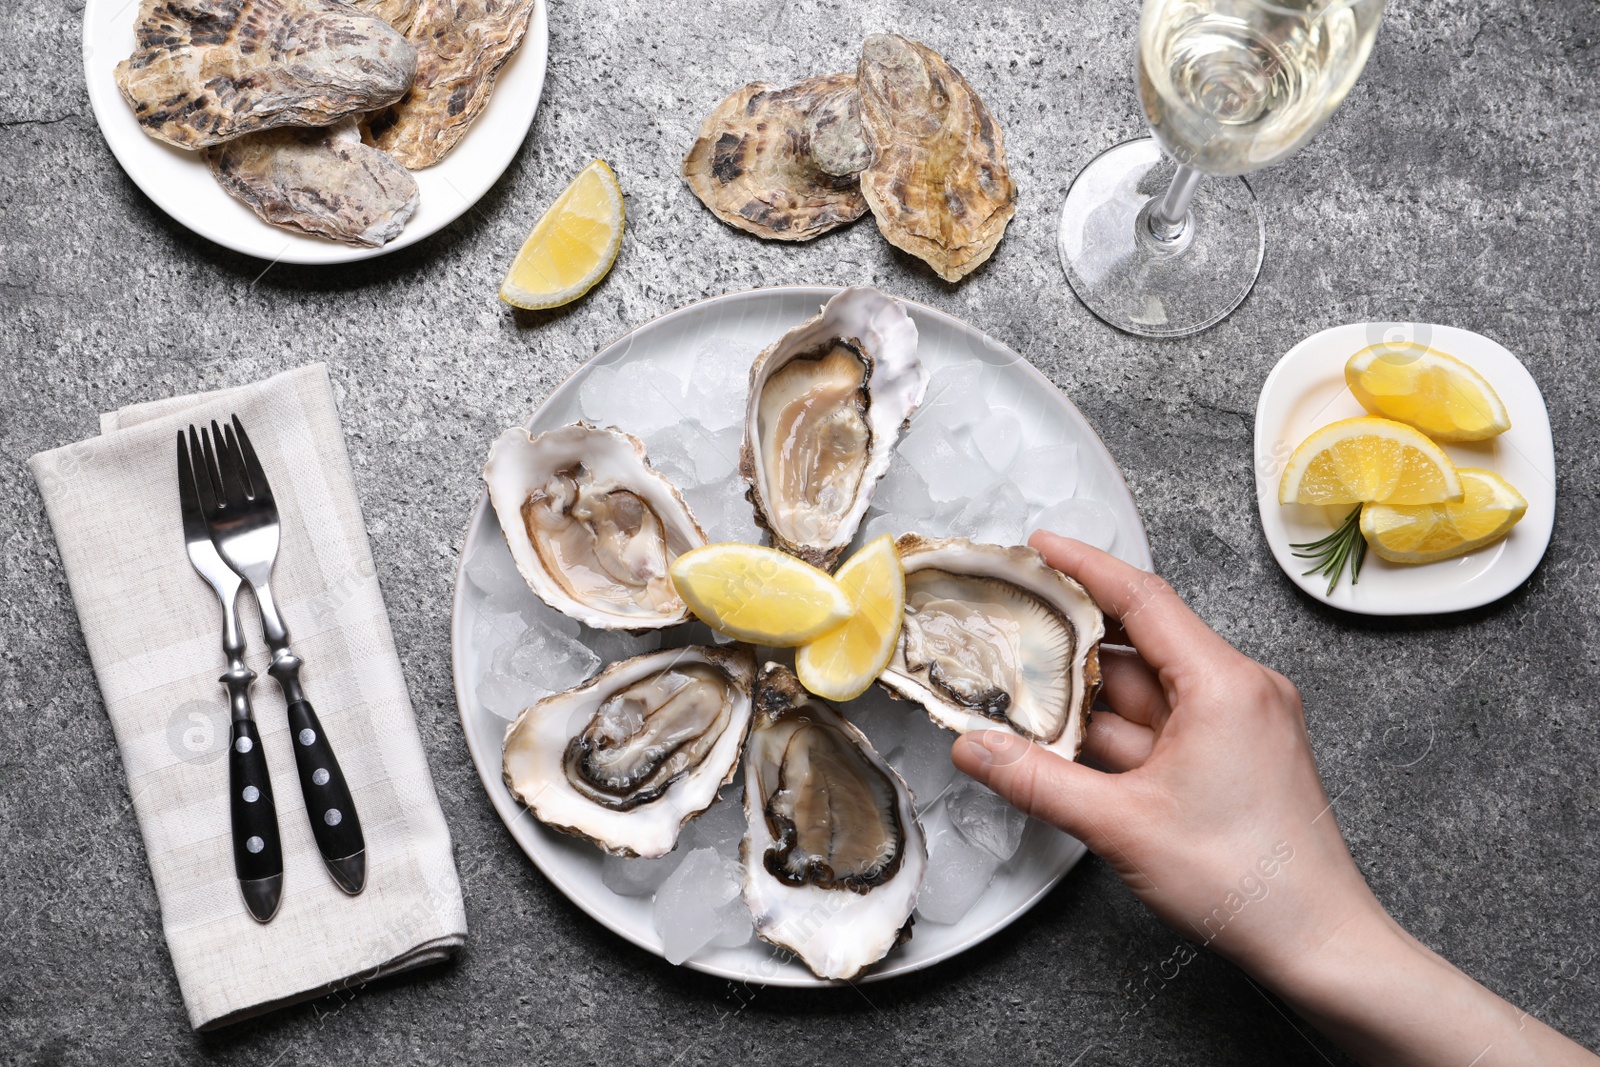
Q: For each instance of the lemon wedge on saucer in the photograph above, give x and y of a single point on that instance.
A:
(1436, 393)
(759, 594)
(1368, 459)
(843, 663)
(1423, 533)
(572, 246)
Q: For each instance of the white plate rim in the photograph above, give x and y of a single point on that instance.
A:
(489, 769)
(1514, 559)
(482, 156)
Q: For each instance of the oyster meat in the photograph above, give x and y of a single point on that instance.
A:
(938, 183)
(833, 853)
(782, 163)
(630, 756)
(461, 46)
(207, 71)
(591, 526)
(995, 638)
(320, 180)
(827, 402)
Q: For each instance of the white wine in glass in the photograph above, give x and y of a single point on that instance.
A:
(1228, 86)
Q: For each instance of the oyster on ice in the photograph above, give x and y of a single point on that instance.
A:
(833, 853)
(827, 402)
(591, 526)
(320, 180)
(782, 163)
(630, 756)
(207, 71)
(461, 46)
(938, 183)
(995, 638)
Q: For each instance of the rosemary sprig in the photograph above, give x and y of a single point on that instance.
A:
(1344, 545)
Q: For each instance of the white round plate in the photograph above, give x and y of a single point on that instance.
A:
(755, 319)
(1306, 390)
(181, 184)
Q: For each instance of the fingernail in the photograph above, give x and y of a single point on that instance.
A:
(977, 750)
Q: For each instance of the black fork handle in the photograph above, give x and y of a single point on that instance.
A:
(257, 849)
(329, 806)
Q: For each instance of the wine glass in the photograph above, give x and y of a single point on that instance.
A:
(1228, 86)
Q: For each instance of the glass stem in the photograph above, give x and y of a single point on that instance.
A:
(1167, 220)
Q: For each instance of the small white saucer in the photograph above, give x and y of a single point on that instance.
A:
(1306, 390)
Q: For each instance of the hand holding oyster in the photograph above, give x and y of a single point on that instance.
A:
(904, 135)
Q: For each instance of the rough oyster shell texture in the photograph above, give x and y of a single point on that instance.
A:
(207, 71)
(781, 163)
(461, 46)
(320, 180)
(938, 183)
(397, 13)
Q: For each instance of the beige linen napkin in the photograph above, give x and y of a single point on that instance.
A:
(154, 633)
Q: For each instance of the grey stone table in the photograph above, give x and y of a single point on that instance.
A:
(1457, 185)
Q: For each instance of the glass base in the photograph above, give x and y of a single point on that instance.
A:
(1145, 286)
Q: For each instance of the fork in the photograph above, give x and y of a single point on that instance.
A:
(242, 517)
(257, 850)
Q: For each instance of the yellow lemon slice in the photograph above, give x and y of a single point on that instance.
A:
(572, 246)
(759, 594)
(1423, 533)
(1368, 459)
(842, 663)
(1436, 393)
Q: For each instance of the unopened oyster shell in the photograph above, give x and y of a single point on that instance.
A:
(938, 184)
(461, 46)
(320, 180)
(827, 402)
(628, 757)
(207, 71)
(834, 854)
(996, 638)
(591, 525)
(781, 163)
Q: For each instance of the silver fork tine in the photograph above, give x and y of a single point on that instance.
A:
(259, 485)
(235, 490)
(200, 472)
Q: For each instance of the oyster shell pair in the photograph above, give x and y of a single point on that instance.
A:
(833, 854)
(905, 136)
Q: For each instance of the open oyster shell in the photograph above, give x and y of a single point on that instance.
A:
(781, 163)
(827, 402)
(630, 756)
(591, 525)
(207, 71)
(461, 46)
(938, 183)
(996, 638)
(319, 180)
(834, 855)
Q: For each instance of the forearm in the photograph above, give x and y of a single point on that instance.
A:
(1387, 999)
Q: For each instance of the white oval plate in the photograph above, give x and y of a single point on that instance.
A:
(1306, 390)
(756, 318)
(181, 184)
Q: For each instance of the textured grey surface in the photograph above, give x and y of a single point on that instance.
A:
(1457, 185)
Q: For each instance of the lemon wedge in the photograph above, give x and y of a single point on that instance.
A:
(1436, 393)
(759, 594)
(1368, 459)
(572, 246)
(1423, 533)
(843, 663)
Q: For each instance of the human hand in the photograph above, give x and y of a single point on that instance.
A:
(1214, 814)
